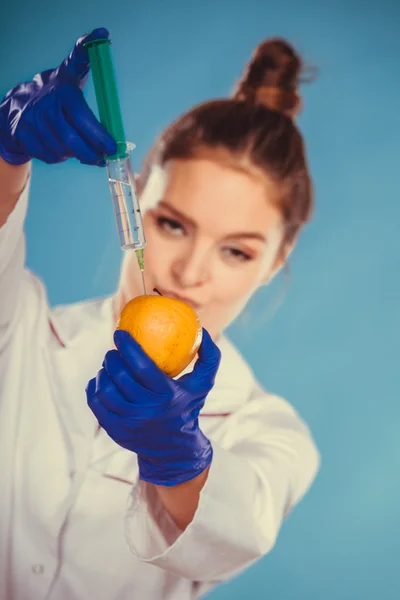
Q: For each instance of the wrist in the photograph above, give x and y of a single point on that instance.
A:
(181, 501)
(173, 470)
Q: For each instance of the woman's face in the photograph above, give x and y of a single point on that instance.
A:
(212, 239)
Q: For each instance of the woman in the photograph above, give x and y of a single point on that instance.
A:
(160, 500)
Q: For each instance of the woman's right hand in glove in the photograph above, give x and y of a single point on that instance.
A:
(49, 119)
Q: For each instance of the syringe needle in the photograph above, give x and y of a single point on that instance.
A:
(144, 285)
(140, 259)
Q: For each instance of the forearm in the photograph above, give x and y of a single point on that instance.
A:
(236, 522)
(181, 501)
(12, 182)
(249, 488)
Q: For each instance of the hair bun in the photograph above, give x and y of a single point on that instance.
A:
(272, 77)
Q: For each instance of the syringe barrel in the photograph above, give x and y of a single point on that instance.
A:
(126, 205)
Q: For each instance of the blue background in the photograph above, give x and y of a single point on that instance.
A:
(333, 347)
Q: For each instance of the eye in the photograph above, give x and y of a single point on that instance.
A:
(170, 226)
(237, 254)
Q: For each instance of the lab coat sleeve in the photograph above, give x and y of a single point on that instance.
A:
(12, 261)
(262, 466)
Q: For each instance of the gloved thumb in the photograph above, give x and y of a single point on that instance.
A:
(202, 377)
(77, 63)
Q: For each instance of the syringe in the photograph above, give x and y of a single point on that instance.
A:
(119, 168)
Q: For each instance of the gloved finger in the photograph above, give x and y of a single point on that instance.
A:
(205, 369)
(109, 421)
(82, 119)
(77, 63)
(131, 390)
(110, 396)
(51, 139)
(95, 405)
(28, 140)
(120, 429)
(140, 365)
(48, 136)
(77, 147)
(71, 142)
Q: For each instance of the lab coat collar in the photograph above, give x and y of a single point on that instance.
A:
(71, 322)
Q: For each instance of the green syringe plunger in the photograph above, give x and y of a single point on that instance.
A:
(105, 88)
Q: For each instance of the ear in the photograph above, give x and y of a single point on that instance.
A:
(278, 265)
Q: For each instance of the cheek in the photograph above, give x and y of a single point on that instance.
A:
(233, 284)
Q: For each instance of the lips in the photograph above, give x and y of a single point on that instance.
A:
(195, 305)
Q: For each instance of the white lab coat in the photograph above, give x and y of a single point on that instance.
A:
(75, 522)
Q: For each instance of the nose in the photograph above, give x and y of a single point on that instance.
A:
(191, 269)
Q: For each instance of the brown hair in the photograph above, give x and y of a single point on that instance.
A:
(254, 129)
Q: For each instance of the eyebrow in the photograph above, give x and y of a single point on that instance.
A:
(240, 234)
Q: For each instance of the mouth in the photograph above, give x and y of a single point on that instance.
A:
(195, 305)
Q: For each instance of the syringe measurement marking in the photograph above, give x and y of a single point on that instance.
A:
(123, 196)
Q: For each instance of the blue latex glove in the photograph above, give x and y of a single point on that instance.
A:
(48, 118)
(147, 412)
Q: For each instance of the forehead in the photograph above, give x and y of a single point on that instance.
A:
(220, 197)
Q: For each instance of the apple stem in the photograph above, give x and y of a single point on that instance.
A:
(156, 290)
